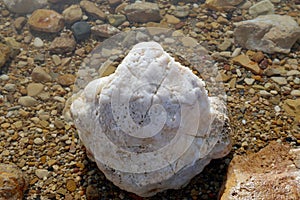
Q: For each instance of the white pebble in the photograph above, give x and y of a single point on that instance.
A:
(4, 77)
(38, 42)
(277, 109)
(244, 121)
(236, 52)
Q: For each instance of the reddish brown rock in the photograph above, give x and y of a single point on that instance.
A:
(63, 44)
(46, 21)
(272, 173)
(92, 9)
(12, 182)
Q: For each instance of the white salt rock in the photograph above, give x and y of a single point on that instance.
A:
(151, 126)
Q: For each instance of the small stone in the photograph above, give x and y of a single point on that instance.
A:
(105, 30)
(114, 3)
(92, 9)
(81, 31)
(38, 42)
(5, 52)
(38, 141)
(72, 14)
(92, 193)
(116, 20)
(222, 4)
(142, 12)
(34, 89)
(56, 60)
(171, 19)
(249, 81)
(295, 93)
(245, 61)
(181, 11)
(14, 46)
(225, 44)
(292, 107)
(27, 101)
(42, 173)
(19, 23)
(279, 80)
(10, 87)
(66, 79)
(40, 75)
(258, 56)
(62, 45)
(264, 7)
(265, 93)
(71, 185)
(44, 20)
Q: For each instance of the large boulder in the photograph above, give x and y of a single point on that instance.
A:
(272, 173)
(151, 126)
(268, 33)
(24, 6)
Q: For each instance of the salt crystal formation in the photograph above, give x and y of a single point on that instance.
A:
(151, 126)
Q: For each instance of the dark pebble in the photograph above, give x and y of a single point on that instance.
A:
(81, 31)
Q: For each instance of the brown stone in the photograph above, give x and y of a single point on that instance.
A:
(40, 75)
(114, 3)
(222, 4)
(92, 9)
(258, 56)
(271, 173)
(245, 61)
(66, 79)
(46, 21)
(63, 44)
(292, 107)
(5, 52)
(142, 12)
(72, 14)
(12, 182)
(19, 23)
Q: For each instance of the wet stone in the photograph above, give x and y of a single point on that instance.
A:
(81, 31)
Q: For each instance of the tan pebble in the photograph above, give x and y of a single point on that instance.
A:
(71, 185)
(66, 79)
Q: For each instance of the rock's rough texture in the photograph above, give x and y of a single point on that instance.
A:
(24, 6)
(12, 182)
(147, 132)
(223, 4)
(273, 33)
(5, 52)
(272, 173)
(72, 14)
(92, 9)
(142, 12)
(63, 44)
(46, 21)
(104, 30)
(264, 7)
